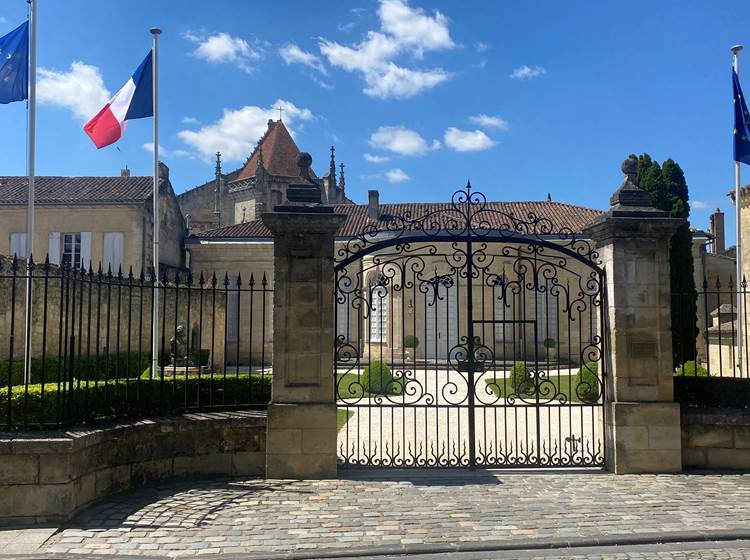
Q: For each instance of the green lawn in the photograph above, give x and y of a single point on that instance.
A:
(342, 417)
(349, 387)
(565, 384)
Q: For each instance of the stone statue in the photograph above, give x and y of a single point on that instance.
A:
(178, 346)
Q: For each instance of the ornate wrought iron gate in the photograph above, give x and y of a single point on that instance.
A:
(466, 337)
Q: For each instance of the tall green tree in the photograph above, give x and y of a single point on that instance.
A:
(669, 192)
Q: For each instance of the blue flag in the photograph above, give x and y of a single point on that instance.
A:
(741, 123)
(14, 65)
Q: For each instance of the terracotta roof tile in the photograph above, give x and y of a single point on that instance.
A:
(280, 153)
(560, 215)
(76, 190)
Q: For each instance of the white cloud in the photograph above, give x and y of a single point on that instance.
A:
(699, 205)
(190, 120)
(481, 47)
(411, 27)
(396, 176)
(404, 31)
(223, 47)
(526, 73)
(81, 89)
(292, 54)
(397, 82)
(375, 159)
(489, 121)
(237, 131)
(467, 140)
(399, 140)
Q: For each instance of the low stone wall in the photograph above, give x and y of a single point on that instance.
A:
(49, 477)
(716, 438)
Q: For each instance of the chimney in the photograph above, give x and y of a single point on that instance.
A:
(373, 205)
(125, 172)
(717, 230)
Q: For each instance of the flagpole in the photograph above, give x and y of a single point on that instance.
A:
(738, 245)
(155, 31)
(31, 175)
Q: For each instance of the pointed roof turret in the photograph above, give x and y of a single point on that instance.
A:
(276, 151)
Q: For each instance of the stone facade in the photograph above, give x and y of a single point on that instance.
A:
(48, 478)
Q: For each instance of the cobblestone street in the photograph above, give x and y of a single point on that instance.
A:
(398, 511)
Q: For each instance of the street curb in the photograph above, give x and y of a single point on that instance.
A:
(442, 548)
(499, 546)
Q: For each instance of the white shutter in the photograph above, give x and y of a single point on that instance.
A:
(18, 244)
(53, 251)
(86, 249)
(113, 250)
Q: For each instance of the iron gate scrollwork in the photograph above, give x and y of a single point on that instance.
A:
(467, 336)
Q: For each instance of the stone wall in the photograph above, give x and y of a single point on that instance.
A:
(716, 439)
(48, 477)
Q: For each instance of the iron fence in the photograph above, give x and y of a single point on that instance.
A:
(90, 357)
(709, 330)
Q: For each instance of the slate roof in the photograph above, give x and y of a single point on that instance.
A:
(561, 216)
(83, 191)
(280, 153)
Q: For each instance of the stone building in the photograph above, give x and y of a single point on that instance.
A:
(260, 184)
(107, 220)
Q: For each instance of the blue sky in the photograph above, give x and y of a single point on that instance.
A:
(523, 98)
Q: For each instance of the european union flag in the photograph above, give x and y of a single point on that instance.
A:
(14, 65)
(741, 123)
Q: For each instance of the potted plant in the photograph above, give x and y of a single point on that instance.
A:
(411, 343)
(550, 344)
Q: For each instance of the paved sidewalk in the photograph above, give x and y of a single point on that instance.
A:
(400, 511)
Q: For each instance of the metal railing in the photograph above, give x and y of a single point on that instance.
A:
(707, 322)
(90, 355)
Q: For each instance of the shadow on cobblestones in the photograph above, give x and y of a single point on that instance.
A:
(193, 504)
(453, 477)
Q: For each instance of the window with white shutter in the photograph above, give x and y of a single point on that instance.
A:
(113, 250)
(53, 249)
(18, 244)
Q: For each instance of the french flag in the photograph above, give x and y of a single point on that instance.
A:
(134, 101)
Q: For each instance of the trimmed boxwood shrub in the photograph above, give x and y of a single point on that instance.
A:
(105, 366)
(521, 380)
(50, 404)
(411, 341)
(587, 382)
(691, 369)
(378, 380)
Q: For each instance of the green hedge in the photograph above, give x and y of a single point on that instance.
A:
(714, 392)
(692, 369)
(105, 366)
(128, 398)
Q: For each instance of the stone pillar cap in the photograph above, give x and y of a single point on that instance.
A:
(630, 199)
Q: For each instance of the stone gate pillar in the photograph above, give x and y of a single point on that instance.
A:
(301, 433)
(642, 421)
